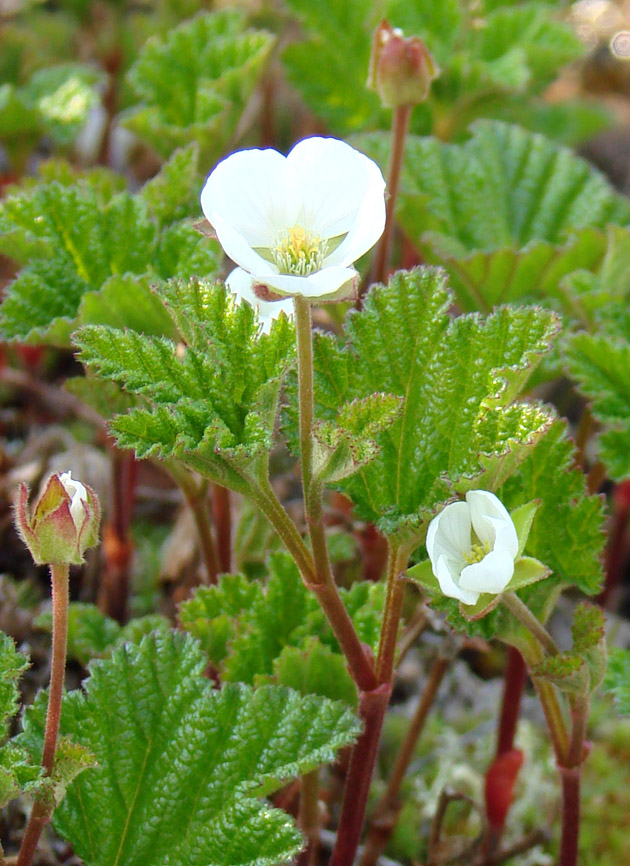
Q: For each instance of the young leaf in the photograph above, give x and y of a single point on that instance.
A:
(155, 724)
(315, 670)
(173, 194)
(12, 665)
(509, 213)
(459, 424)
(194, 83)
(213, 404)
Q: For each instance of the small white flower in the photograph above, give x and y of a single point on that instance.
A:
(78, 497)
(295, 225)
(472, 546)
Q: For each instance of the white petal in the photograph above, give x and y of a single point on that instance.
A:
(446, 575)
(492, 522)
(338, 184)
(316, 285)
(78, 495)
(240, 283)
(253, 192)
(492, 574)
(449, 534)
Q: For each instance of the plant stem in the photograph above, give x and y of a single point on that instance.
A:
(222, 517)
(524, 615)
(514, 685)
(372, 708)
(384, 816)
(60, 597)
(197, 499)
(308, 817)
(400, 125)
(117, 542)
(570, 777)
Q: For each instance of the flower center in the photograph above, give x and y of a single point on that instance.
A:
(477, 552)
(298, 251)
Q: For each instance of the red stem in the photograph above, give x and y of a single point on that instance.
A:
(400, 125)
(570, 777)
(222, 519)
(117, 544)
(513, 688)
(40, 814)
(372, 708)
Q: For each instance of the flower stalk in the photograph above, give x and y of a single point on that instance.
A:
(308, 817)
(40, 815)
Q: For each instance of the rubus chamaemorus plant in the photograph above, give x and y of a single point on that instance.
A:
(376, 319)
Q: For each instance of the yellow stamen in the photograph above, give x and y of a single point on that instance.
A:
(477, 552)
(298, 251)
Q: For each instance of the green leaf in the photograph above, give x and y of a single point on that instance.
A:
(80, 237)
(63, 96)
(246, 626)
(173, 194)
(315, 670)
(194, 82)
(522, 518)
(509, 213)
(589, 641)
(150, 707)
(213, 405)
(12, 666)
(567, 671)
(18, 774)
(459, 425)
(617, 679)
(601, 365)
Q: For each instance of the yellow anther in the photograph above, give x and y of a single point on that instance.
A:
(298, 251)
(477, 552)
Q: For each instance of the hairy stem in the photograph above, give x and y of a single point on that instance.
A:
(222, 517)
(117, 542)
(40, 814)
(400, 125)
(570, 777)
(523, 614)
(308, 817)
(384, 817)
(197, 499)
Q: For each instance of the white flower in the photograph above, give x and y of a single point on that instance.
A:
(78, 497)
(295, 225)
(472, 546)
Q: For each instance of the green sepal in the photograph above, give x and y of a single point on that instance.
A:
(486, 602)
(527, 570)
(423, 574)
(522, 518)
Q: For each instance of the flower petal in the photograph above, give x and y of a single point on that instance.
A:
(317, 285)
(492, 574)
(446, 575)
(238, 248)
(240, 283)
(449, 534)
(253, 192)
(492, 522)
(337, 183)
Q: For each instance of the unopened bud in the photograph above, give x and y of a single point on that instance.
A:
(401, 67)
(62, 524)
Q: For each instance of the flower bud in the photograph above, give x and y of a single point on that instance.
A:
(62, 524)
(401, 67)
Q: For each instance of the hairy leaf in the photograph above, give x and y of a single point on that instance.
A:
(194, 83)
(211, 404)
(509, 213)
(149, 709)
(617, 679)
(458, 378)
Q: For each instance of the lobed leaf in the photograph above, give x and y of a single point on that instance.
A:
(617, 679)
(148, 711)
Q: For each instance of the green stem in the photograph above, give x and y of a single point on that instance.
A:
(40, 814)
(396, 565)
(548, 697)
(523, 614)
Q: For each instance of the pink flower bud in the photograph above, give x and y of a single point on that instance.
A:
(401, 67)
(62, 524)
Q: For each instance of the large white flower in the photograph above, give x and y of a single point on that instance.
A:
(295, 225)
(472, 546)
